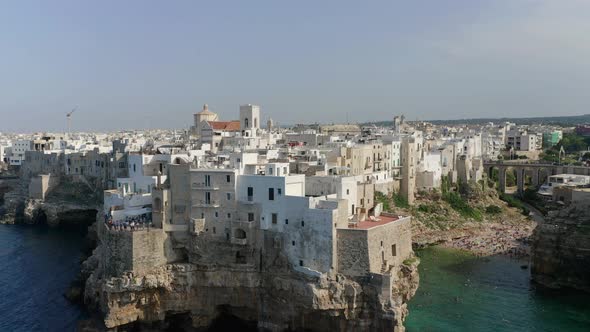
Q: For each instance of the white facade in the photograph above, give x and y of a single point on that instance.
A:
(19, 147)
(270, 193)
(249, 120)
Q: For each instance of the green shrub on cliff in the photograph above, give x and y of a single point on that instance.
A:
(515, 203)
(382, 198)
(459, 204)
(400, 201)
(493, 209)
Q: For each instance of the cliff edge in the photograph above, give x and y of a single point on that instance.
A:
(561, 249)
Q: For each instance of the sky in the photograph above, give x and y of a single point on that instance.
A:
(136, 64)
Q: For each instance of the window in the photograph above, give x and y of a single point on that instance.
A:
(286, 221)
(133, 168)
(302, 223)
(271, 194)
(228, 178)
(207, 180)
(250, 193)
(393, 250)
(270, 171)
(216, 214)
(207, 197)
(279, 191)
(228, 196)
(348, 191)
(293, 242)
(250, 216)
(229, 216)
(274, 218)
(300, 263)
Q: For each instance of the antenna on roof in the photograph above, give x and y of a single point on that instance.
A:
(69, 118)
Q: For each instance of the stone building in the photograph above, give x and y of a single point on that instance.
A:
(200, 117)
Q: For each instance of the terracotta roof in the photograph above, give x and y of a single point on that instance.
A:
(225, 125)
(381, 220)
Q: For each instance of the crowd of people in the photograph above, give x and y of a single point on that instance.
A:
(130, 223)
(497, 240)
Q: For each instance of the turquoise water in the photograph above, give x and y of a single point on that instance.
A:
(460, 292)
(37, 265)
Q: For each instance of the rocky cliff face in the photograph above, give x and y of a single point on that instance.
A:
(271, 295)
(561, 249)
(61, 208)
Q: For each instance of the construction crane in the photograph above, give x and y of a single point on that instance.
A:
(69, 118)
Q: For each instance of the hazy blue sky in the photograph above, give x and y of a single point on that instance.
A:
(138, 64)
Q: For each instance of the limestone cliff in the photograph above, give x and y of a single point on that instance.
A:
(270, 293)
(561, 249)
(69, 204)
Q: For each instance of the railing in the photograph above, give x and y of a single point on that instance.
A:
(204, 203)
(203, 186)
(239, 241)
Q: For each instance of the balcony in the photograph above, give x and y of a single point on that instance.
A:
(249, 200)
(241, 242)
(207, 204)
(203, 186)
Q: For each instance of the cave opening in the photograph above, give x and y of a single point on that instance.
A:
(227, 321)
(40, 218)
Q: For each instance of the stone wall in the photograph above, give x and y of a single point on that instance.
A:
(137, 251)
(353, 252)
(374, 250)
(40, 185)
(389, 239)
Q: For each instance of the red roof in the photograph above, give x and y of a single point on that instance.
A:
(381, 220)
(225, 125)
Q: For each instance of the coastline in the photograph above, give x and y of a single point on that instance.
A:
(509, 238)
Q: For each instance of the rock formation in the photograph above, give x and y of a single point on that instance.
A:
(561, 249)
(61, 207)
(269, 293)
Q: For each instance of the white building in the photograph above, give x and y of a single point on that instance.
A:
(19, 147)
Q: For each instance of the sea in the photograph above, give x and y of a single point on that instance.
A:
(37, 265)
(461, 292)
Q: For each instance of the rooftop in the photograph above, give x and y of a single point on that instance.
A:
(368, 223)
(225, 125)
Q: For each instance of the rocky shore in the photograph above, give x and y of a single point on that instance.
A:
(505, 233)
(495, 239)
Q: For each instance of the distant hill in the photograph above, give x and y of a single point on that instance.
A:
(565, 121)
